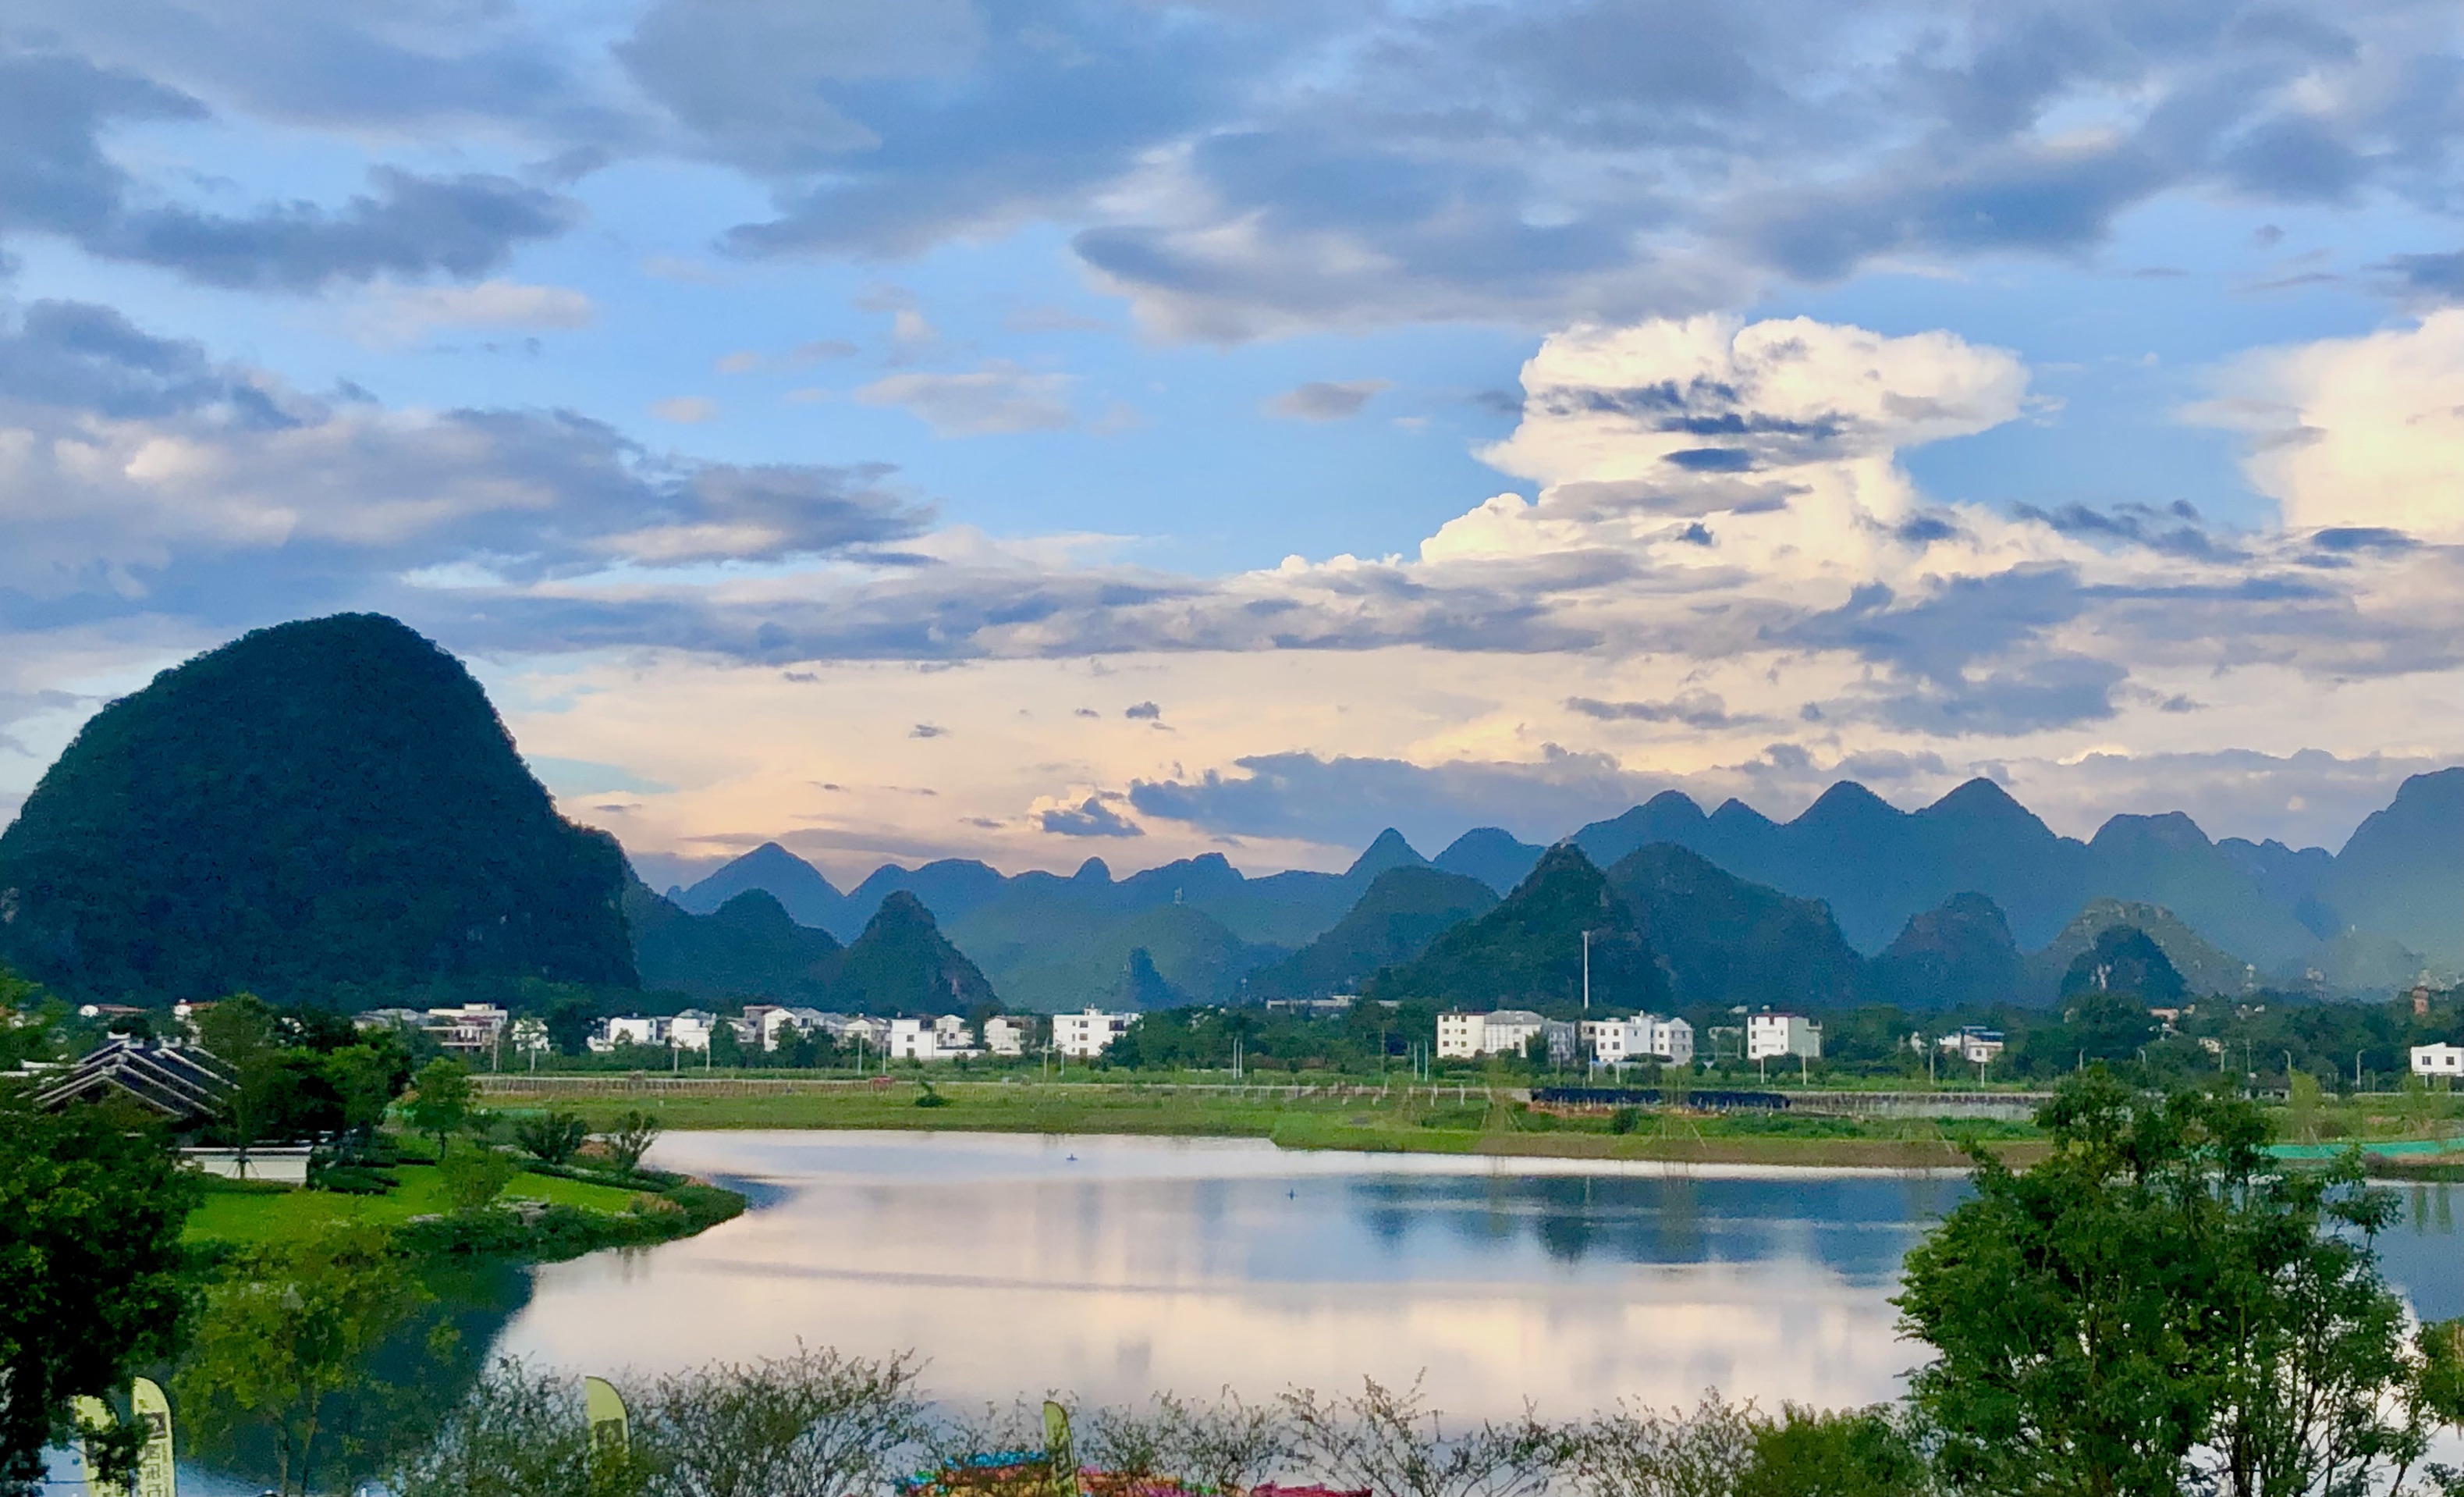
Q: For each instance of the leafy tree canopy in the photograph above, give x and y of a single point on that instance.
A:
(91, 1208)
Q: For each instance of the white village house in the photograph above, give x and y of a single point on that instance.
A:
(1644, 1037)
(1504, 1032)
(1089, 1034)
(2438, 1060)
(1772, 1036)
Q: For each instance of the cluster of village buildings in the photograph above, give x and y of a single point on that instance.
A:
(484, 1029)
(1643, 1038)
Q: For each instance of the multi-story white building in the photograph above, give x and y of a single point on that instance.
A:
(1973, 1045)
(691, 1029)
(943, 1039)
(470, 1027)
(1005, 1035)
(1088, 1034)
(911, 1040)
(631, 1030)
(872, 1034)
(1505, 1032)
(780, 1025)
(2438, 1060)
(1646, 1037)
(1772, 1036)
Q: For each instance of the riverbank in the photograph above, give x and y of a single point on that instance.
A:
(538, 1218)
(1442, 1119)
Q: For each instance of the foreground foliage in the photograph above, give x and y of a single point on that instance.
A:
(2158, 1308)
(90, 1281)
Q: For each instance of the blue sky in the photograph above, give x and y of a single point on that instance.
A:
(829, 423)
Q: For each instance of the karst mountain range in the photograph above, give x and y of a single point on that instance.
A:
(331, 810)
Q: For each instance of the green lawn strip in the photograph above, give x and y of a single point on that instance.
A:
(1387, 1124)
(246, 1218)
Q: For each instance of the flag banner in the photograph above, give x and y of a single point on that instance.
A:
(156, 1475)
(93, 1414)
(610, 1427)
(1059, 1451)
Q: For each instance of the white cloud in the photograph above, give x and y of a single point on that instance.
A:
(688, 410)
(392, 316)
(996, 398)
(2356, 432)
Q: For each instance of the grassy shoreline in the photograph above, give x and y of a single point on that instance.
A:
(538, 1217)
(1474, 1120)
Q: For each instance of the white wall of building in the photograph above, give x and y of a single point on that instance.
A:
(2438, 1060)
(1088, 1034)
(1774, 1036)
(1004, 1035)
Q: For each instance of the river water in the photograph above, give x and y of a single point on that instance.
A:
(1109, 1268)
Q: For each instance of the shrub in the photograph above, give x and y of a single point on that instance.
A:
(475, 1177)
(552, 1137)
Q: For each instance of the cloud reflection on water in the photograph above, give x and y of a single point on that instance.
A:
(1114, 1266)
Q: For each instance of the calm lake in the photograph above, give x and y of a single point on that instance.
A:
(1112, 1267)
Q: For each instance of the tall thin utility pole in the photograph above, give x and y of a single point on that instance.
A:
(1587, 972)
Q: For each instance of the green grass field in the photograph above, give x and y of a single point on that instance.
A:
(247, 1217)
(1359, 1121)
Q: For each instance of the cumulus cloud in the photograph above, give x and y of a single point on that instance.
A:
(2356, 432)
(129, 462)
(1648, 617)
(994, 399)
(1321, 401)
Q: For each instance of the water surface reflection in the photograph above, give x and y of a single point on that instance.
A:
(1113, 1267)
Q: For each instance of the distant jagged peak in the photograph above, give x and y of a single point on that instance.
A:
(2171, 830)
(1981, 799)
(1733, 812)
(1390, 849)
(1094, 870)
(1847, 803)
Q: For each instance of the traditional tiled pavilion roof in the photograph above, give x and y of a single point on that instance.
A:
(183, 1083)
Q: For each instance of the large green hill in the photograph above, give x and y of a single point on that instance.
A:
(1404, 910)
(320, 807)
(1527, 953)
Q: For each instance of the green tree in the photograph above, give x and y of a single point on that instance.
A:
(552, 1137)
(631, 1138)
(241, 1031)
(284, 1339)
(366, 1078)
(90, 1282)
(2155, 1310)
(725, 1048)
(441, 1100)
